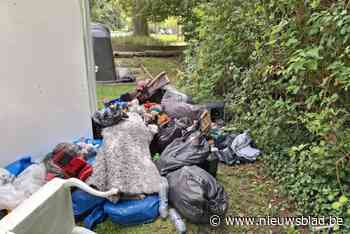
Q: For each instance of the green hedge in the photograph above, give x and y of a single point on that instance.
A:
(283, 66)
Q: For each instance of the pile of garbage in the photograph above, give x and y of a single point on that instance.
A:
(155, 146)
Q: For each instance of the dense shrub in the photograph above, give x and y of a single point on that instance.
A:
(283, 66)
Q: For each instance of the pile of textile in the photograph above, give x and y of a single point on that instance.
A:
(124, 160)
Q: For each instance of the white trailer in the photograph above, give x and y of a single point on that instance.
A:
(47, 79)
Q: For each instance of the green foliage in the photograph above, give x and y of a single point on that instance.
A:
(283, 67)
(107, 12)
(137, 41)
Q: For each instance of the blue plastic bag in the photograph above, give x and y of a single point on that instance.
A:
(133, 212)
(18, 166)
(95, 217)
(84, 203)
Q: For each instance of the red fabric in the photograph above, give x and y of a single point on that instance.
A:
(149, 105)
(74, 166)
(71, 166)
(85, 172)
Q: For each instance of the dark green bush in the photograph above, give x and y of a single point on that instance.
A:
(283, 66)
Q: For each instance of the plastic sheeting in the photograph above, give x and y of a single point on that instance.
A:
(132, 212)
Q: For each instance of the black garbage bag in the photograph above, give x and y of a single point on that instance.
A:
(196, 195)
(192, 149)
(168, 133)
(178, 110)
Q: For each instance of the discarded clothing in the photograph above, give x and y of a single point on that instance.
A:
(22, 187)
(67, 160)
(124, 160)
(196, 195)
(236, 149)
(88, 148)
(192, 149)
(241, 147)
(109, 117)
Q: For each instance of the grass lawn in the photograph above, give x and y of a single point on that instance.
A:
(111, 91)
(251, 193)
(153, 65)
(153, 40)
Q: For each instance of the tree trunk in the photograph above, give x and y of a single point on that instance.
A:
(139, 20)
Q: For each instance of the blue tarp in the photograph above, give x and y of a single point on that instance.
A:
(133, 212)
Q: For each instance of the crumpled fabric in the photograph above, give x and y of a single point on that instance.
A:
(236, 149)
(124, 160)
(71, 152)
(22, 187)
(241, 147)
(109, 117)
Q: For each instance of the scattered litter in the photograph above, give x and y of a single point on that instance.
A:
(196, 195)
(187, 142)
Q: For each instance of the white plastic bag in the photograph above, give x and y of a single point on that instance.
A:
(31, 179)
(27, 183)
(5, 177)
